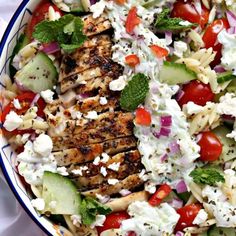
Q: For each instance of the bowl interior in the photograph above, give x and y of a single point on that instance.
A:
(7, 155)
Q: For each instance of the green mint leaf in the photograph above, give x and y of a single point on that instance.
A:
(90, 208)
(164, 22)
(67, 31)
(134, 92)
(208, 176)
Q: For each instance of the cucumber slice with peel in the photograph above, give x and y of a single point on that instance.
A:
(60, 195)
(225, 76)
(220, 231)
(175, 73)
(38, 74)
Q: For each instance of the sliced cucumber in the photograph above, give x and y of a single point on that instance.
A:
(86, 5)
(229, 145)
(39, 74)
(232, 87)
(220, 231)
(60, 195)
(203, 234)
(21, 42)
(73, 6)
(174, 73)
(224, 77)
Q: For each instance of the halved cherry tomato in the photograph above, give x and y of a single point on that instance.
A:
(187, 11)
(132, 60)
(187, 216)
(120, 2)
(132, 20)
(159, 51)
(211, 147)
(113, 221)
(40, 14)
(210, 37)
(25, 100)
(143, 117)
(162, 192)
(197, 92)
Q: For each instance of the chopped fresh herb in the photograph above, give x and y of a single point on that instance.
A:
(90, 208)
(164, 22)
(208, 176)
(134, 92)
(67, 31)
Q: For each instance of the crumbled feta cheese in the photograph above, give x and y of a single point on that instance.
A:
(185, 23)
(38, 203)
(105, 157)
(143, 175)
(75, 114)
(47, 95)
(13, 121)
(228, 58)
(100, 219)
(102, 199)
(25, 138)
(16, 103)
(103, 100)
(62, 171)
(118, 84)
(76, 220)
(93, 115)
(97, 160)
(112, 181)
(103, 171)
(191, 108)
(98, 8)
(43, 145)
(227, 104)
(79, 171)
(114, 166)
(52, 204)
(201, 217)
(147, 220)
(179, 48)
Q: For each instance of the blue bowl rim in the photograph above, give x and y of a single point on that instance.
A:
(6, 175)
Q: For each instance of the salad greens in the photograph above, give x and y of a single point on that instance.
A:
(67, 31)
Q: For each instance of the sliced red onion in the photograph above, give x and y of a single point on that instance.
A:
(181, 187)
(156, 134)
(92, 2)
(232, 30)
(219, 69)
(51, 48)
(176, 203)
(179, 233)
(164, 157)
(174, 147)
(198, 6)
(33, 136)
(35, 100)
(228, 119)
(166, 120)
(155, 89)
(179, 95)
(231, 17)
(165, 131)
(125, 192)
(168, 37)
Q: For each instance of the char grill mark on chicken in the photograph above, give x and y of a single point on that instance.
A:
(80, 141)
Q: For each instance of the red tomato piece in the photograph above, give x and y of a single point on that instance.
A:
(143, 117)
(132, 20)
(162, 192)
(197, 92)
(187, 11)
(113, 221)
(25, 100)
(40, 14)
(211, 147)
(159, 51)
(120, 2)
(132, 60)
(210, 37)
(187, 216)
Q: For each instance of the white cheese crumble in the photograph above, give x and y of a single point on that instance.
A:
(100, 219)
(103, 100)
(93, 115)
(43, 145)
(105, 157)
(16, 103)
(112, 181)
(179, 48)
(13, 121)
(102, 198)
(97, 160)
(79, 171)
(118, 84)
(62, 171)
(147, 220)
(47, 95)
(38, 203)
(114, 166)
(103, 171)
(76, 220)
(227, 104)
(201, 217)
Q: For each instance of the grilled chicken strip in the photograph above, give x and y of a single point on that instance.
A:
(88, 153)
(104, 67)
(130, 183)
